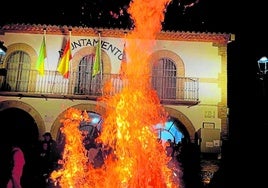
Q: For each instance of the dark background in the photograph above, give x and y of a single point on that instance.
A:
(246, 151)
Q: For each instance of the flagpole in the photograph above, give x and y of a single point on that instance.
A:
(100, 57)
(45, 39)
(45, 36)
(70, 66)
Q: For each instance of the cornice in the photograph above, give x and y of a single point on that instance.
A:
(218, 38)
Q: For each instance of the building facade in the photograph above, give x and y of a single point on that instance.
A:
(189, 73)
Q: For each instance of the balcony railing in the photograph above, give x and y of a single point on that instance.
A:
(28, 83)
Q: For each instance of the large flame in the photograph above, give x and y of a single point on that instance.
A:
(135, 159)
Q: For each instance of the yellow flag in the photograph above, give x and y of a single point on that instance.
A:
(97, 60)
(40, 64)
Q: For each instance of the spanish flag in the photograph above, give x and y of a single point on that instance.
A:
(40, 64)
(64, 63)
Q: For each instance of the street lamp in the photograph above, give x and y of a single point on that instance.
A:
(263, 74)
(263, 67)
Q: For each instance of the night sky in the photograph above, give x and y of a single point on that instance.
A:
(198, 15)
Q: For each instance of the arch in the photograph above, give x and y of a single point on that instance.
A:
(174, 57)
(27, 108)
(25, 48)
(87, 51)
(91, 50)
(86, 106)
(184, 120)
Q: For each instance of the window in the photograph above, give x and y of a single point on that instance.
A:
(164, 78)
(18, 71)
(85, 83)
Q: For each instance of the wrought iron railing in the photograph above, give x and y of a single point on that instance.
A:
(82, 85)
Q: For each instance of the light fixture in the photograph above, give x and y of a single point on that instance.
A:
(263, 67)
(263, 76)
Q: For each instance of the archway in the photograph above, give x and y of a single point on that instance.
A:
(55, 129)
(20, 126)
(11, 108)
(184, 121)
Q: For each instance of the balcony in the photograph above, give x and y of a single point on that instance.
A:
(28, 83)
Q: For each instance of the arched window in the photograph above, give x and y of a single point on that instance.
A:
(18, 71)
(85, 83)
(164, 78)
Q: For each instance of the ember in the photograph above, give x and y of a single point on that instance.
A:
(134, 156)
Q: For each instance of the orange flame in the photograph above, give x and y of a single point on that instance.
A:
(135, 159)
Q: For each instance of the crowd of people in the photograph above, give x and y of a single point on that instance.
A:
(185, 161)
(31, 166)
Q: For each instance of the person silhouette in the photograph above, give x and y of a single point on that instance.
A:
(17, 163)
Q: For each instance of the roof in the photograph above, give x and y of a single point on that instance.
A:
(221, 38)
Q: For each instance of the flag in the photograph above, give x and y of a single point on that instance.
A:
(40, 63)
(64, 63)
(97, 60)
(123, 65)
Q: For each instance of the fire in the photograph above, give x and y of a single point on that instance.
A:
(134, 157)
(74, 158)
